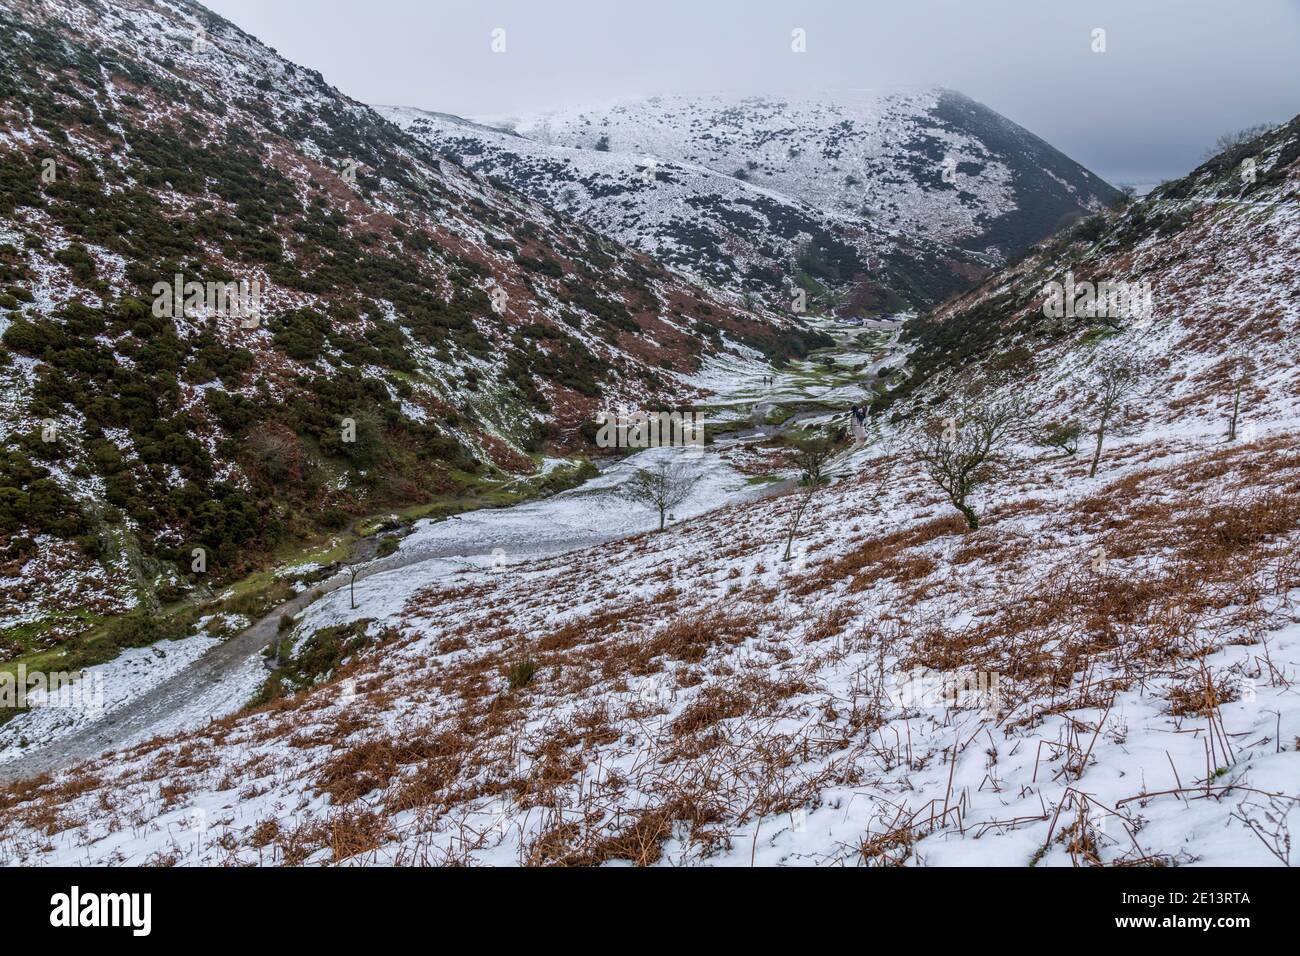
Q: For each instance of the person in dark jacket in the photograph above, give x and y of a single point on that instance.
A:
(859, 422)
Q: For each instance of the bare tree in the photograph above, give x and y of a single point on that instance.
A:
(663, 486)
(811, 456)
(972, 445)
(812, 462)
(1127, 194)
(1230, 140)
(1122, 377)
(1240, 373)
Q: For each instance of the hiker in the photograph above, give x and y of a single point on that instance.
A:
(859, 416)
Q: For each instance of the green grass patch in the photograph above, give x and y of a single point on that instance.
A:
(1097, 334)
(28, 637)
(314, 660)
(522, 673)
(53, 659)
(779, 415)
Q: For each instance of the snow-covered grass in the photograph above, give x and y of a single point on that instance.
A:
(693, 699)
(1103, 673)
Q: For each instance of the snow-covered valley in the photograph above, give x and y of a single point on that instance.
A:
(697, 699)
(983, 549)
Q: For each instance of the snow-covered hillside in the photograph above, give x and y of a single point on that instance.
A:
(1101, 670)
(903, 692)
(417, 329)
(1103, 673)
(885, 199)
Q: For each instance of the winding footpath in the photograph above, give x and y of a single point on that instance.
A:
(529, 531)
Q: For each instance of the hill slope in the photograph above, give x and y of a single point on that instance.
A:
(418, 332)
(1212, 253)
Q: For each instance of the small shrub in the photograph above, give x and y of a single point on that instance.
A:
(521, 673)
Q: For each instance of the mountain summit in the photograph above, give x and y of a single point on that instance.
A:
(869, 201)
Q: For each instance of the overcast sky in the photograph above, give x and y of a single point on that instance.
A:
(1174, 75)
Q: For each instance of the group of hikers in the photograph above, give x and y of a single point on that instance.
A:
(857, 416)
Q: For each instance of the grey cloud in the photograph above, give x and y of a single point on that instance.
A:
(1175, 74)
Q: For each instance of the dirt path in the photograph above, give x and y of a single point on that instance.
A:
(131, 722)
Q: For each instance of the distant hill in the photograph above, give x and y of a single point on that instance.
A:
(870, 201)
